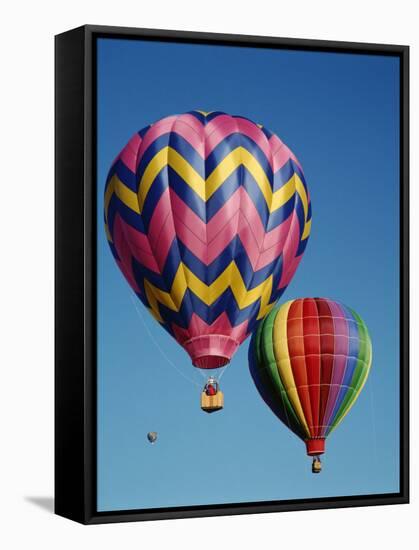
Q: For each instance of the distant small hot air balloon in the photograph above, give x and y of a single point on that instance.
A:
(309, 360)
(207, 216)
(152, 437)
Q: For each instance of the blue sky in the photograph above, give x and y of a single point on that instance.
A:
(339, 113)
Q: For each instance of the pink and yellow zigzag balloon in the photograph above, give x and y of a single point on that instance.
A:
(207, 216)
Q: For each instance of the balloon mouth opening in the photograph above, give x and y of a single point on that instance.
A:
(211, 351)
(210, 362)
(315, 446)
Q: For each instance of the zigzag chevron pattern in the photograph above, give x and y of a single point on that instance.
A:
(207, 216)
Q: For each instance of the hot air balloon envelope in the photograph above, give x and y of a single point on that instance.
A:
(309, 360)
(152, 437)
(207, 216)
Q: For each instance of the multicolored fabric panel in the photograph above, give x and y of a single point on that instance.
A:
(309, 360)
(207, 216)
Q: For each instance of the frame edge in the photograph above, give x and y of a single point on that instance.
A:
(70, 398)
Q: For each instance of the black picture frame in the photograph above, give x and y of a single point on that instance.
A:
(75, 274)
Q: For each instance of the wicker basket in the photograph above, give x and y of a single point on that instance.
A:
(212, 403)
(316, 467)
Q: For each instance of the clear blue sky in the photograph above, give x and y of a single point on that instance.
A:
(339, 113)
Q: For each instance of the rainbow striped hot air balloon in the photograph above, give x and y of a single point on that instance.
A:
(309, 360)
(207, 216)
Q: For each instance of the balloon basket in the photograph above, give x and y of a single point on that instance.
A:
(212, 403)
(316, 467)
